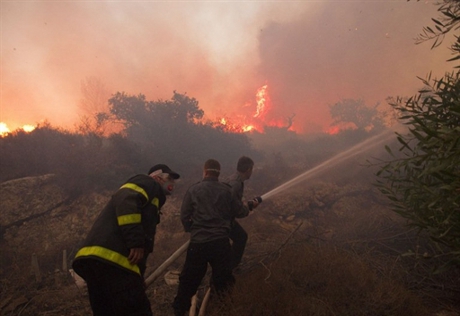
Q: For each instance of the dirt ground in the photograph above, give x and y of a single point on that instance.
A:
(349, 222)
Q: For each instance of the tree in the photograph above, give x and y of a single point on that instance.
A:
(172, 130)
(422, 180)
(94, 108)
(350, 113)
(137, 111)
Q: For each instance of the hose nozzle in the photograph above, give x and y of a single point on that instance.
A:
(257, 199)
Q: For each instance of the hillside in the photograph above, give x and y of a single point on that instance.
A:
(322, 248)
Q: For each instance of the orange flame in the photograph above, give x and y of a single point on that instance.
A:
(333, 130)
(4, 130)
(261, 98)
(28, 128)
(248, 128)
(247, 122)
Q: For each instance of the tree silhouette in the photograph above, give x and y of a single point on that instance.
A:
(350, 113)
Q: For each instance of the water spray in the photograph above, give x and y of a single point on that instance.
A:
(365, 145)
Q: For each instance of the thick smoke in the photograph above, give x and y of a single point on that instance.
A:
(352, 50)
(310, 54)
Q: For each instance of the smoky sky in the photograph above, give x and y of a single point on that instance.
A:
(310, 54)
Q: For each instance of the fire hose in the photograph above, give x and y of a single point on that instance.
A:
(359, 148)
(155, 274)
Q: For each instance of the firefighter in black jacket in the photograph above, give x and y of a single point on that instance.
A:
(113, 258)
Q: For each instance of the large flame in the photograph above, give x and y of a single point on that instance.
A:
(253, 117)
(261, 99)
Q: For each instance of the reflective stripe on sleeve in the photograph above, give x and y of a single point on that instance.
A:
(136, 188)
(108, 255)
(129, 219)
(156, 202)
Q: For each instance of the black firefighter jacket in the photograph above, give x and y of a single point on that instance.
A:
(128, 221)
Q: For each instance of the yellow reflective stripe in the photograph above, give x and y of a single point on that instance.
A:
(156, 202)
(136, 188)
(108, 255)
(129, 219)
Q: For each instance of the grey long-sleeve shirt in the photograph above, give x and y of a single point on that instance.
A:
(208, 209)
(237, 185)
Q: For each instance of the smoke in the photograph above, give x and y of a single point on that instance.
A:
(310, 54)
(346, 50)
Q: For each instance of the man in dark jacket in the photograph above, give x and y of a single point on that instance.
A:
(207, 211)
(238, 235)
(113, 258)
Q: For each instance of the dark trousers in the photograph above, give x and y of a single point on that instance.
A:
(239, 238)
(217, 254)
(113, 291)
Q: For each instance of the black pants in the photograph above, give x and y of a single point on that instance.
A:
(239, 238)
(217, 254)
(113, 291)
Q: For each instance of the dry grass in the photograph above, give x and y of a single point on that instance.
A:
(308, 280)
(324, 250)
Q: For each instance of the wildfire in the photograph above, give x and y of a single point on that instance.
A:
(253, 118)
(248, 128)
(333, 130)
(28, 128)
(261, 99)
(4, 130)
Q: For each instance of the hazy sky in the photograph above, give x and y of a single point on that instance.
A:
(310, 54)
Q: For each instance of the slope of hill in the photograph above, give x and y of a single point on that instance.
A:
(319, 249)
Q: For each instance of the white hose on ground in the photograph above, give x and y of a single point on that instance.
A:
(155, 274)
(192, 311)
(204, 304)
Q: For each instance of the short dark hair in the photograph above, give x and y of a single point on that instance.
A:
(212, 167)
(244, 164)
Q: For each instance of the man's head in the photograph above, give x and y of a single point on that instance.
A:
(164, 176)
(211, 168)
(244, 167)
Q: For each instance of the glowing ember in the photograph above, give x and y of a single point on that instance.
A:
(248, 128)
(333, 130)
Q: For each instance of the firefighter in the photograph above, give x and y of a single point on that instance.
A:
(113, 258)
(207, 211)
(238, 235)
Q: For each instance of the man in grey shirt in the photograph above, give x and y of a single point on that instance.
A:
(207, 212)
(238, 235)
